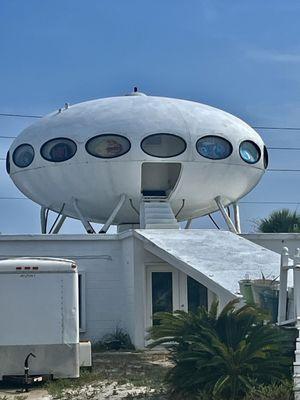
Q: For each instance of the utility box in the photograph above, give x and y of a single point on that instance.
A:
(39, 314)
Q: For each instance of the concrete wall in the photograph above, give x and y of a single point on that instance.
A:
(275, 241)
(113, 269)
(99, 258)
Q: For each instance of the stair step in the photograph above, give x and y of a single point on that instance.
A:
(162, 226)
(158, 210)
(160, 218)
(161, 221)
(150, 205)
(158, 215)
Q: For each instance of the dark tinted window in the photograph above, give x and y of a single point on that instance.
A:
(163, 145)
(7, 163)
(266, 158)
(58, 150)
(162, 293)
(250, 152)
(108, 146)
(197, 295)
(214, 147)
(23, 155)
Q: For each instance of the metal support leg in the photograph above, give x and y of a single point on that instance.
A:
(188, 223)
(59, 224)
(237, 221)
(84, 221)
(112, 216)
(43, 218)
(283, 285)
(225, 215)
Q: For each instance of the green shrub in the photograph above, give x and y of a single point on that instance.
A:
(221, 355)
(282, 391)
(118, 340)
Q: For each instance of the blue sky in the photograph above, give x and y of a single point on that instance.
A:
(240, 56)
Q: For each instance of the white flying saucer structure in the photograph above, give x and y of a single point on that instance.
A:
(98, 160)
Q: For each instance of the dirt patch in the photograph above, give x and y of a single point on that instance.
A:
(14, 394)
(117, 375)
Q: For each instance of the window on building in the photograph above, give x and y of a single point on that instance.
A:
(58, 150)
(197, 294)
(266, 158)
(214, 147)
(163, 145)
(108, 146)
(23, 155)
(162, 293)
(7, 163)
(250, 152)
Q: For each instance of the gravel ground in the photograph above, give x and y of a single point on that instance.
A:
(115, 376)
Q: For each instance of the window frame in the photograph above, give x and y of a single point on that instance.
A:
(14, 152)
(164, 134)
(256, 146)
(82, 301)
(58, 138)
(103, 135)
(214, 136)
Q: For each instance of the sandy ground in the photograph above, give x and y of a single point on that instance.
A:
(98, 391)
(14, 394)
(116, 376)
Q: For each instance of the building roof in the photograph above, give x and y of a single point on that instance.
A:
(218, 259)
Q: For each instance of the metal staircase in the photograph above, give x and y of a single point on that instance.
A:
(156, 213)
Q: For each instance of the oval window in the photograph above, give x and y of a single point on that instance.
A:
(214, 147)
(58, 150)
(266, 158)
(108, 146)
(23, 155)
(163, 145)
(7, 163)
(250, 152)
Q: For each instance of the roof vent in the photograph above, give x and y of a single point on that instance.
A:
(136, 92)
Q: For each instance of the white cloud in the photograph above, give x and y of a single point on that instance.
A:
(274, 56)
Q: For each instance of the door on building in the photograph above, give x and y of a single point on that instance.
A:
(169, 289)
(159, 179)
(162, 291)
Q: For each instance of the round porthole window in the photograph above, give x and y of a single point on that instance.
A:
(108, 146)
(250, 152)
(163, 145)
(23, 155)
(58, 150)
(214, 147)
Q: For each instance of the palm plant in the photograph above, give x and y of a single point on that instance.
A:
(223, 354)
(281, 221)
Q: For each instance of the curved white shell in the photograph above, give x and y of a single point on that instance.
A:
(98, 183)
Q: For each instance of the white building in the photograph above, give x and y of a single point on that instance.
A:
(146, 162)
(126, 277)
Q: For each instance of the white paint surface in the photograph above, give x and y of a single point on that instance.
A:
(218, 258)
(97, 183)
(114, 268)
(38, 307)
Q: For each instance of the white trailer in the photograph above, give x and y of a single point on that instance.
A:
(39, 314)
